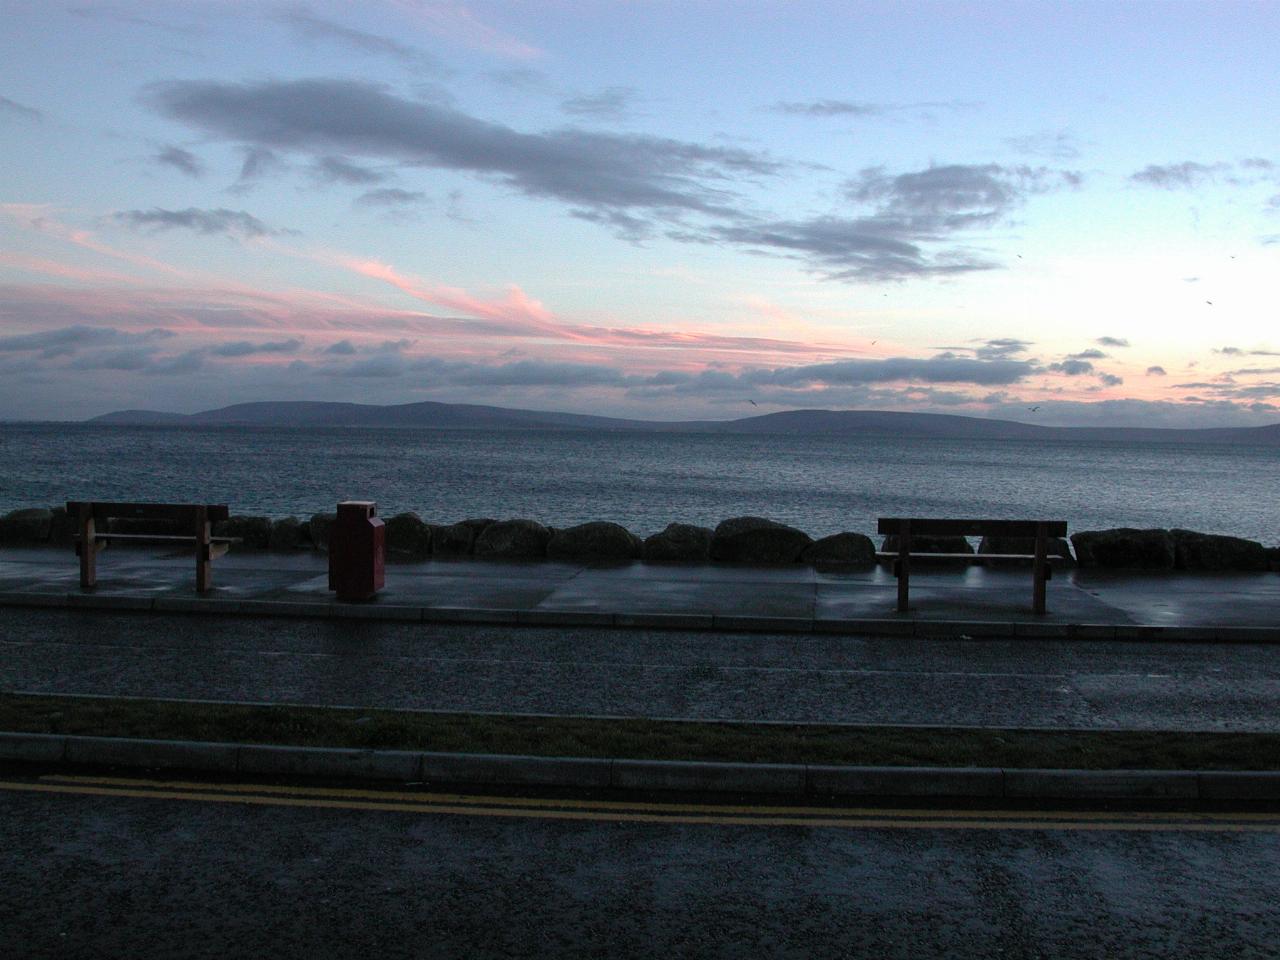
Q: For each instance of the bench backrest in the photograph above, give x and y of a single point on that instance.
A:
(183, 513)
(936, 527)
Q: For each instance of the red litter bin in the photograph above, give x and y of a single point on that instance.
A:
(357, 551)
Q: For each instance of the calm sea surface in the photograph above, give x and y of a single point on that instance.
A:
(821, 484)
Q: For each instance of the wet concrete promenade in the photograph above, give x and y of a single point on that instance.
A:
(971, 601)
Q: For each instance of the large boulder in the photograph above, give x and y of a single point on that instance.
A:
(457, 539)
(1056, 547)
(678, 542)
(845, 549)
(408, 538)
(26, 526)
(287, 533)
(318, 529)
(931, 545)
(254, 532)
(1125, 548)
(598, 541)
(1207, 551)
(513, 540)
(757, 540)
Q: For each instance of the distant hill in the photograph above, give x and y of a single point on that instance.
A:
(462, 416)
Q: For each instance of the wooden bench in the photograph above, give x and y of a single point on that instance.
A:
(196, 517)
(904, 528)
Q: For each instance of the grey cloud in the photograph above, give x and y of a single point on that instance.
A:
(628, 183)
(1174, 176)
(851, 249)
(1057, 146)
(244, 348)
(308, 26)
(1237, 352)
(232, 223)
(258, 162)
(612, 103)
(1156, 371)
(859, 108)
(136, 358)
(68, 340)
(596, 170)
(891, 369)
(338, 170)
(1110, 379)
(526, 373)
(182, 363)
(829, 108)
(942, 199)
(1112, 341)
(13, 108)
(909, 211)
(181, 160)
(1090, 354)
(390, 197)
(341, 348)
(380, 365)
(1001, 347)
(1257, 163)
(1071, 368)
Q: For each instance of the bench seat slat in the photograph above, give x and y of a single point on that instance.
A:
(181, 512)
(881, 555)
(161, 538)
(945, 527)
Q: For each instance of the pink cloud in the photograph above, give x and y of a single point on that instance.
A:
(455, 22)
(36, 217)
(53, 268)
(516, 310)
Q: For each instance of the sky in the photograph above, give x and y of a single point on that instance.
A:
(1059, 213)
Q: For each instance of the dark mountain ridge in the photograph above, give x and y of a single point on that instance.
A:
(459, 416)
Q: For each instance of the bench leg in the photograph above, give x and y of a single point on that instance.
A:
(903, 565)
(88, 550)
(1039, 570)
(204, 557)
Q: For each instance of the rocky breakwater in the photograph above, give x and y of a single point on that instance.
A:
(1156, 549)
(755, 540)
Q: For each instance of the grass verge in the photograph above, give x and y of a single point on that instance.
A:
(640, 739)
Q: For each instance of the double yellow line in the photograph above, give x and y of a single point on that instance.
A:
(625, 811)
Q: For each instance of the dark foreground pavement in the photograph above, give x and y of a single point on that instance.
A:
(318, 875)
(1007, 682)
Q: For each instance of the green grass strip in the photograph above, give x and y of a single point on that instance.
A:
(640, 739)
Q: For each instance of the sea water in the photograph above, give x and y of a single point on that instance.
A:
(821, 484)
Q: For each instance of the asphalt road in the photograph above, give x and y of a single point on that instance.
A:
(218, 871)
(701, 675)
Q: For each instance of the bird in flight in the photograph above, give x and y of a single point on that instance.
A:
(1035, 408)
(1209, 302)
(753, 403)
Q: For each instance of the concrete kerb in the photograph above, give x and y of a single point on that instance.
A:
(886, 627)
(796, 780)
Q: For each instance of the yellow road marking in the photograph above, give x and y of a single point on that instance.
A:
(861, 822)
(643, 806)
